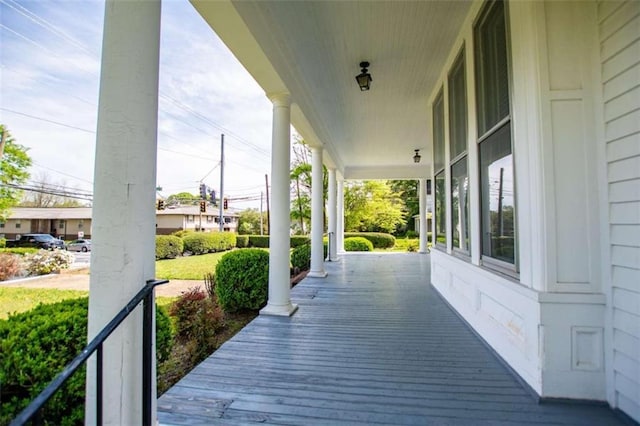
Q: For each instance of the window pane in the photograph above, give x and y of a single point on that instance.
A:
(438, 133)
(460, 205)
(491, 68)
(441, 217)
(457, 108)
(498, 204)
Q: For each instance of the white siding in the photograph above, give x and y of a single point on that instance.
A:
(619, 24)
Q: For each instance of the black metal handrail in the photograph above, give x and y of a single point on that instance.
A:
(145, 295)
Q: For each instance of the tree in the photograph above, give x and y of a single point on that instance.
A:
(249, 222)
(371, 206)
(182, 198)
(300, 176)
(14, 165)
(47, 194)
(407, 190)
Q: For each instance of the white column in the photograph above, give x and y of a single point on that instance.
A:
(279, 281)
(317, 215)
(340, 208)
(332, 216)
(422, 196)
(123, 223)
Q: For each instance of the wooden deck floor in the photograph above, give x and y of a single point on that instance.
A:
(373, 343)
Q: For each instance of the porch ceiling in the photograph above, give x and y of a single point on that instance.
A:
(312, 49)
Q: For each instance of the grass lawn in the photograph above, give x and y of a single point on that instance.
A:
(16, 299)
(188, 268)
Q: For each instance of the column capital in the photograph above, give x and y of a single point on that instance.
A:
(280, 98)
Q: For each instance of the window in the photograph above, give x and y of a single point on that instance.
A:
(80, 224)
(1, 224)
(18, 224)
(457, 86)
(190, 218)
(438, 167)
(209, 218)
(497, 187)
(61, 224)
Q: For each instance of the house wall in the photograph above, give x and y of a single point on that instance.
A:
(619, 55)
(548, 320)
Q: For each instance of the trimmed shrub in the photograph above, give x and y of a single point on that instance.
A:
(36, 345)
(357, 244)
(262, 241)
(45, 262)
(168, 247)
(3, 242)
(411, 234)
(259, 241)
(378, 239)
(242, 279)
(301, 257)
(242, 241)
(183, 233)
(299, 240)
(201, 243)
(10, 266)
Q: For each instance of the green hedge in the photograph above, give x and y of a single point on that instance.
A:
(378, 239)
(36, 345)
(242, 241)
(168, 247)
(202, 243)
(301, 256)
(20, 250)
(262, 241)
(357, 244)
(242, 279)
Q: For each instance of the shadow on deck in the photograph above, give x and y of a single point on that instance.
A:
(373, 343)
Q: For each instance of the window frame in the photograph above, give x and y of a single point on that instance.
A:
(439, 125)
(459, 66)
(507, 268)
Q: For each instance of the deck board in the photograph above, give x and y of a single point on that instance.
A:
(373, 343)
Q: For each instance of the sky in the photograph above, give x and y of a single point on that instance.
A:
(49, 80)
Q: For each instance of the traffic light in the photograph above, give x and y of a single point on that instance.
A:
(225, 204)
(203, 206)
(160, 204)
(212, 194)
(203, 191)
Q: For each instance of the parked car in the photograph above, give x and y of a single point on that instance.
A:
(42, 241)
(79, 245)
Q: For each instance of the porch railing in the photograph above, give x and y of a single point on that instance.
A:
(145, 295)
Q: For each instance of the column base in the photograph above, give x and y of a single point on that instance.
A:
(335, 259)
(317, 274)
(279, 310)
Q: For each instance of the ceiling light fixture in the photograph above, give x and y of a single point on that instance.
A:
(364, 78)
(417, 157)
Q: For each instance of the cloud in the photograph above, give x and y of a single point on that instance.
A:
(51, 71)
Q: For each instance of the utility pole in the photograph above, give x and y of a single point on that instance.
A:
(266, 181)
(261, 225)
(221, 204)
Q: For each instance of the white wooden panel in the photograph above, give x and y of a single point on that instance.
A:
(622, 83)
(621, 62)
(607, 8)
(624, 191)
(627, 385)
(623, 126)
(627, 301)
(622, 104)
(562, 39)
(624, 169)
(626, 147)
(625, 256)
(621, 38)
(625, 235)
(626, 343)
(630, 406)
(627, 323)
(627, 367)
(620, 16)
(572, 243)
(626, 278)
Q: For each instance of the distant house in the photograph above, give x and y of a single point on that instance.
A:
(75, 222)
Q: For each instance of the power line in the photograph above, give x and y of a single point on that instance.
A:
(47, 120)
